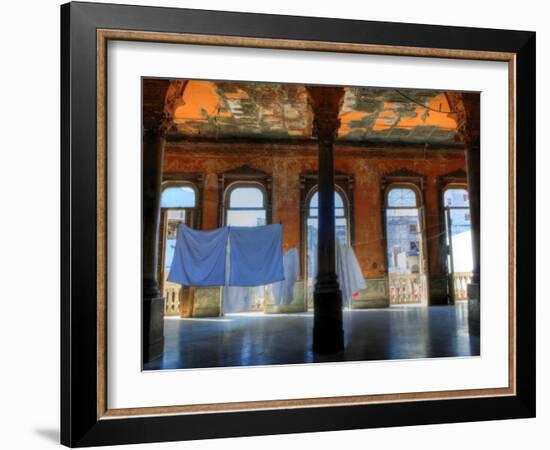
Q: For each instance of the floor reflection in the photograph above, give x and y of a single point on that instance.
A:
(260, 339)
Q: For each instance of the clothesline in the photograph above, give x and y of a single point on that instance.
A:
(243, 258)
(253, 254)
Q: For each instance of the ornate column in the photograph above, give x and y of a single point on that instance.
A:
(153, 310)
(469, 129)
(328, 330)
(160, 97)
(472, 161)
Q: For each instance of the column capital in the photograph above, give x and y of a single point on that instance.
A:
(326, 102)
(465, 106)
(161, 98)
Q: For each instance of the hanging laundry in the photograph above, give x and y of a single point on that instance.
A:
(199, 257)
(237, 299)
(349, 273)
(283, 291)
(256, 255)
(291, 266)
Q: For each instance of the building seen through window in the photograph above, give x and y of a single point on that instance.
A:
(403, 237)
(177, 204)
(175, 201)
(405, 252)
(458, 240)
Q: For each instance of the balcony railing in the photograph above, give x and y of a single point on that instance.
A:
(460, 281)
(405, 289)
(172, 294)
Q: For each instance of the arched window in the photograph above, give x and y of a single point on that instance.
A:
(340, 213)
(178, 204)
(312, 227)
(402, 197)
(178, 197)
(245, 206)
(455, 197)
(458, 239)
(404, 245)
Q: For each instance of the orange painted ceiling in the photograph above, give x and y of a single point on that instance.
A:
(270, 110)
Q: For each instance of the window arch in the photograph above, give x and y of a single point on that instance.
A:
(405, 253)
(178, 196)
(458, 239)
(245, 205)
(311, 227)
(456, 196)
(402, 196)
(179, 204)
(341, 212)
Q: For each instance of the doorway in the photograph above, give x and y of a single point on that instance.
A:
(178, 206)
(458, 239)
(405, 247)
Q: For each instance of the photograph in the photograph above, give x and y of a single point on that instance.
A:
(277, 224)
(297, 224)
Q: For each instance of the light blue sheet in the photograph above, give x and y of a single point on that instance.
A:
(237, 299)
(256, 255)
(283, 292)
(199, 257)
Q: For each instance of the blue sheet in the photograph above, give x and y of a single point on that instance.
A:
(199, 257)
(256, 255)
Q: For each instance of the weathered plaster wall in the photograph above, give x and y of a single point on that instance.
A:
(285, 163)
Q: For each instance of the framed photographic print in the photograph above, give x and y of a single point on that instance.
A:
(277, 224)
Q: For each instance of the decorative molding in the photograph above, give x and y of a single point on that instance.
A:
(405, 176)
(308, 180)
(404, 172)
(193, 177)
(459, 173)
(244, 172)
(458, 176)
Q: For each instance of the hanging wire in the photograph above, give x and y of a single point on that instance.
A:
(422, 104)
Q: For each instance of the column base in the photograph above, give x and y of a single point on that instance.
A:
(328, 329)
(473, 309)
(438, 290)
(153, 328)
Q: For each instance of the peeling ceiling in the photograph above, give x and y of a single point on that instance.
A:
(396, 115)
(282, 111)
(234, 109)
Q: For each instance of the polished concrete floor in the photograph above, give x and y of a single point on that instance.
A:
(261, 339)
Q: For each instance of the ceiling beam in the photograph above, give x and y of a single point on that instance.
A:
(175, 139)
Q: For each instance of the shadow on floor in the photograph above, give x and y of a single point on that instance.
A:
(49, 434)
